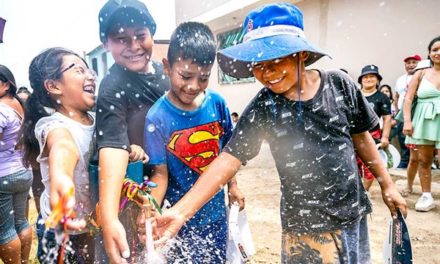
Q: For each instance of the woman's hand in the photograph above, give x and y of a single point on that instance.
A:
(407, 128)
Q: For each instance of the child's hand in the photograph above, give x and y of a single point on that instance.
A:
(137, 153)
(115, 241)
(62, 200)
(167, 226)
(235, 195)
(394, 201)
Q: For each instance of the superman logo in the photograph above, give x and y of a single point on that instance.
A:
(198, 146)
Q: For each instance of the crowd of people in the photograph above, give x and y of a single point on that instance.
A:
(161, 115)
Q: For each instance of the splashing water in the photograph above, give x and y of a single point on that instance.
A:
(151, 256)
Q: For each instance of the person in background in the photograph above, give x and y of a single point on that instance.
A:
(400, 89)
(386, 90)
(380, 103)
(23, 93)
(15, 178)
(422, 128)
(234, 117)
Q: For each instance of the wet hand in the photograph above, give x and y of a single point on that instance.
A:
(137, 153)
(115, 241)
(235, 195)
(394, 200)
(167, 226)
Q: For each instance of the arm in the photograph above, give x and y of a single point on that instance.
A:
(407, 103)
(219, 172)
(395, 102)
(386, 131)
(63, 156)
(160, 177)
(366, 149)
(113, 163)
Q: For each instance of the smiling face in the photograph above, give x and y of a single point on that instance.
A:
(434, 53)
(279, 75)
(188, 82)
(75, 89)
(131, 47)
(410, 65)
(369, 81)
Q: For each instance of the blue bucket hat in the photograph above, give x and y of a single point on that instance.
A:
(272, 31)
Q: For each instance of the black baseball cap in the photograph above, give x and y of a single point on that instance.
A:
(7, 75)
(124, 12)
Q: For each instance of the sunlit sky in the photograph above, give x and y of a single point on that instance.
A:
(34, 25)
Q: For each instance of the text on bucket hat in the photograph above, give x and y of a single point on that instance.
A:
(7, 75)
(370, 69)
(413, 57)
(272, 31)
(124, 10)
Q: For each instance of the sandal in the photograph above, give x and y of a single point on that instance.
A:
(406, 192)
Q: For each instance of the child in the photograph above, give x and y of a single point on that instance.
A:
(58, 133)
(132, 86)
(422, 130)
(313, 121)
(15, 179)
(185, 131)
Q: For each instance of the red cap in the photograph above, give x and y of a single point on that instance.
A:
(413, 57)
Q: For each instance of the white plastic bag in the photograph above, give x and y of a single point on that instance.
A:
(240, 245)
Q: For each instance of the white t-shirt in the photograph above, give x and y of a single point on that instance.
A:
(401, 87)
(83, 137)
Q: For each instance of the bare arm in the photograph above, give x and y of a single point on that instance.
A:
(396, 101)
(386, 131)
(113, 164)
(63, 157)
(407, 103)
(160, 177)
(219, 172)
(367, 151)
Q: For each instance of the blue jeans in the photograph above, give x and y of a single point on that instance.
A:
(356, 241)
(14, 191)
(404, 151)
(200, 244)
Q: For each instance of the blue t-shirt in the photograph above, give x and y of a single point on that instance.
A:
(188, 141)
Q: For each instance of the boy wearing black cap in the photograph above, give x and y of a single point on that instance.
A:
(313, 121)
(132, 86)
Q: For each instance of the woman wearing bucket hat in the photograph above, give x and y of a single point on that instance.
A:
(369, 81)
(313, 121)
(15, 179)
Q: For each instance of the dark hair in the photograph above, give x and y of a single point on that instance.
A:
(431, 43)
(192, 40)
(7, 76)
(23, 89)
(235, 114)
(45, 66)
(389, 89)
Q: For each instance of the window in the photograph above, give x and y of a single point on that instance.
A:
(225, 40)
